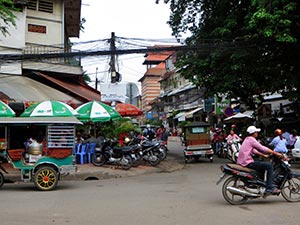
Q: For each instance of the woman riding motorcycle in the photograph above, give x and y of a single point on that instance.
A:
(249, 148)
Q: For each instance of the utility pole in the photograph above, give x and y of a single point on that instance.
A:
(96, 82)
(113, 59)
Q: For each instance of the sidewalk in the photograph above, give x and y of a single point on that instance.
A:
(91, 172)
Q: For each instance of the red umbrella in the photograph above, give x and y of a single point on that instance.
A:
(126, 109)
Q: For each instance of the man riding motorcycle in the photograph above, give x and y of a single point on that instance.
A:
(251, 147)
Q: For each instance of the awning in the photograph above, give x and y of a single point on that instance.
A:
(23, 89)
(185, 88)
(183, 115)
(83, 91)
(191, 113)
(178, 115)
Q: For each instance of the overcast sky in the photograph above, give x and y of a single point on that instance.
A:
(127, 18)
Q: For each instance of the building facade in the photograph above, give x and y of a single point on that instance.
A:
(43, 27)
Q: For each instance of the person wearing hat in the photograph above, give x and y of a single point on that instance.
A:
(251, 147)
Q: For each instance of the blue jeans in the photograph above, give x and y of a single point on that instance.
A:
(264, 166)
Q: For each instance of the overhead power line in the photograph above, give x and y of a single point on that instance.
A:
(203, 47)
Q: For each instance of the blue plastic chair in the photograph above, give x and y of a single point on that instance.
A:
(81, 153)
(90, 151)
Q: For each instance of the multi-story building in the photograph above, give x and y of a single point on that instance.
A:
(179, 99)
(150, 86)
(43, 27)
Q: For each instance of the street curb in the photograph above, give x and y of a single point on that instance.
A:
(91, 172)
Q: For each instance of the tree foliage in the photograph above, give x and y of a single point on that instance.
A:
(249, 47)
(7, 18)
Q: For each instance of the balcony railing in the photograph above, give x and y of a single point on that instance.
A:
(45, 49)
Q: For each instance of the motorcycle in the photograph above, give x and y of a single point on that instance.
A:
(243, 183)
(106, 151)
(233, 149)
(150, 151)
(163, 149)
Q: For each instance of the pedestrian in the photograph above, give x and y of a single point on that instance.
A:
(292, 138)
(148, 132)
(279, 142)
(159, 132)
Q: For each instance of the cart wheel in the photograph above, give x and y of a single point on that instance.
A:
(1, 179)
(46, 179)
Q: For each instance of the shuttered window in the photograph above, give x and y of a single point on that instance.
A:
(31, 4)
(41, 5)
(46, 6)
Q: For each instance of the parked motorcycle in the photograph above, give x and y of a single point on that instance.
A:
(150, 151)
(106, 151)
(243, 183)
(163, 149)
(233, 149)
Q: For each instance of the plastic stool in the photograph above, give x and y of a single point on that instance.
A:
(90, 151)
(81, 153)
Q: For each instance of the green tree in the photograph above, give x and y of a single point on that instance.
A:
(7, 17)
(246, 47)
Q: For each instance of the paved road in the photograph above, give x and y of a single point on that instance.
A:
(187, 196)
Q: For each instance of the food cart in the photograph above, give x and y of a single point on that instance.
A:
(41, 148)
(197, 141)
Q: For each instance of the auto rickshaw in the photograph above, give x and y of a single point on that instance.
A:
(41, 148)
(196, 139)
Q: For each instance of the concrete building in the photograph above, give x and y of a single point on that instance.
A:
(43, 27)
(150, 86)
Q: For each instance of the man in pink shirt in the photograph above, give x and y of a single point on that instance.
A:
(251, 147)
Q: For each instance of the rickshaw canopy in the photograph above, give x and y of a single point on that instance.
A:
(40, 120)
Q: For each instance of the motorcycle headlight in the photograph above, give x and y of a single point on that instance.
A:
(126, 140)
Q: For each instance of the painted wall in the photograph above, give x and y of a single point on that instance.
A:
(51, 21)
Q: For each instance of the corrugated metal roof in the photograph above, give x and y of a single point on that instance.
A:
(82, 90)
(21, 88)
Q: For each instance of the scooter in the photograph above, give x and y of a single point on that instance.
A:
(242, 184)
(108, 152)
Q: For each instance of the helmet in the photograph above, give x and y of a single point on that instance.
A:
(148, 126)
(278, 132)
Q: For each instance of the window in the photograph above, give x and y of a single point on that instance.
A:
(46, 6)
(61, 136)
(31, 4)
(198, 130)
(41, 5)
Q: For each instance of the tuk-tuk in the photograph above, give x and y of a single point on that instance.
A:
(197, 141)
(42, 148)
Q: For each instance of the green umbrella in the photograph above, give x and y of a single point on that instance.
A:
(6, 111)
(49, 108)
(96, 112)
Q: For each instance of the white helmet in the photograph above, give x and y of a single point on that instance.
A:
(148, 126)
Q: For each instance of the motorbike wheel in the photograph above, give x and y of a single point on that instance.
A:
(291, 190)
(136, 161)
(1, 179)
(154, 160)
(164, 152)
(233, 199)
(98, 159)
(128, 164)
